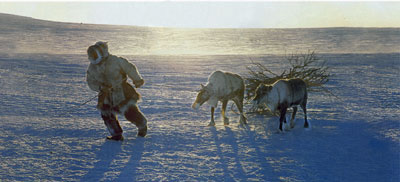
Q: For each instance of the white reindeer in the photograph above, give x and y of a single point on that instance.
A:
(222, 86)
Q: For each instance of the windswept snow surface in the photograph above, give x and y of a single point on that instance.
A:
(47, 135)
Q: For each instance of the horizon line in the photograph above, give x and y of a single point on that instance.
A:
(142, 26)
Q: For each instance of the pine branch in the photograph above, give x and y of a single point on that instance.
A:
(305, 66)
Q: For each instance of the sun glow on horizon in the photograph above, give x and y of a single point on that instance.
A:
(237, 14)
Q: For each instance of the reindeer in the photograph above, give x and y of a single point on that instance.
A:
(222, 86)
(281, 95)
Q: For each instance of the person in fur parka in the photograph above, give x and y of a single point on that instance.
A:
(107, 74)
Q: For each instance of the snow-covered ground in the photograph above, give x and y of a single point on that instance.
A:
(47, 134)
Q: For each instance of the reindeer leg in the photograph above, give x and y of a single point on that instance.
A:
(212, 123)
(293, 116)
(224, 104)
(239, 105)
(303, 106)
(282, 118)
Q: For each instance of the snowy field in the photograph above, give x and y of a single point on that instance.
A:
(47, 134)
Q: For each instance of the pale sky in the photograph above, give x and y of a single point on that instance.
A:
(221, 14)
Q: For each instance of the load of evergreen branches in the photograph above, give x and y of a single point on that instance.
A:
(308, 67)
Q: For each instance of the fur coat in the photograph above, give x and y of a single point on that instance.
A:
(109, 78)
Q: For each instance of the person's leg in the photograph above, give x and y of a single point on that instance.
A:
(111, 121)
(135, 116)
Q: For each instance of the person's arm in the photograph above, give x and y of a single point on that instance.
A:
(132, 72)
(93, 83)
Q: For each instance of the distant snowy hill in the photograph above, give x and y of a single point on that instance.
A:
(14, 21)
(28, 35)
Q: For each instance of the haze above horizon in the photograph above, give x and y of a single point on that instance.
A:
(220, 14)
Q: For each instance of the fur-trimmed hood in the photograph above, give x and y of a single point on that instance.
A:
(98, 52)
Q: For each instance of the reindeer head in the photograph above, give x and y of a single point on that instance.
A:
(262, 93)
(203, 95)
